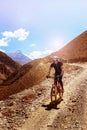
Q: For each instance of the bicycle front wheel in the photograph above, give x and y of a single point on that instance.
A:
(54, 93)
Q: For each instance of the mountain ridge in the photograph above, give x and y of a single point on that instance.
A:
(19, 57)
(74, 51)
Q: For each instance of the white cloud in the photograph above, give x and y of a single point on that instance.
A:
(20, 34)
(8, 34)
(3, 42)
(47, 52)
(32, 45)
(35, 54)
(39, 54)
(2, 50)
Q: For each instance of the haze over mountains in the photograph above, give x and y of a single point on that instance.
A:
(35, 71)
(19, 57)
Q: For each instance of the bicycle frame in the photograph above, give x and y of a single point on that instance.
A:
(56, 90)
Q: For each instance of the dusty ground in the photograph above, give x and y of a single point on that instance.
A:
(70, 114)
(20, 113)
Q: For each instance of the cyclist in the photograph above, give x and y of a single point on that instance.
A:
(58, 67)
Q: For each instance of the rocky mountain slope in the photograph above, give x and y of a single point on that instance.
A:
(28, 75)
(74, 51)
(7, 66)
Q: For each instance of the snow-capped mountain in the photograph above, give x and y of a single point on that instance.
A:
(19, 57)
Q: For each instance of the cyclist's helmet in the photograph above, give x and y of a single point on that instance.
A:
(55, 58)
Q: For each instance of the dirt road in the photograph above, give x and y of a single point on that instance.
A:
(70, 114)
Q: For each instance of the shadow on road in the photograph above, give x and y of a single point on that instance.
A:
(52, 105)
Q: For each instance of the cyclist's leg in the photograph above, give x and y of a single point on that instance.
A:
(61, 88)
(60, 91)
(61, 83)
(55, 83)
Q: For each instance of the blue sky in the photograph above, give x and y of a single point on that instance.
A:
(40, 27)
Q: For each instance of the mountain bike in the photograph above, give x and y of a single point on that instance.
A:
(56, 90)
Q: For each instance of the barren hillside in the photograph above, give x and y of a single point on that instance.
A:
(31, 109)
(28, 75)
(76, 50)
(7, 66)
